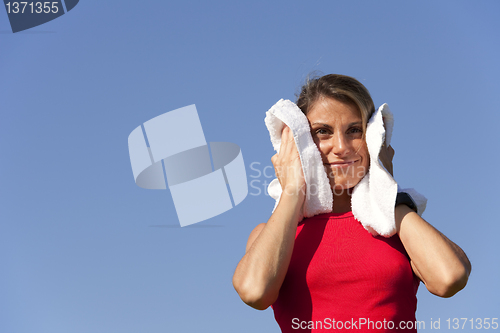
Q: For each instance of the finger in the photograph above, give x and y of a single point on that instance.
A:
(273, 158)
(292, 150)
(284, 139)
(286, 133)
(290, 135)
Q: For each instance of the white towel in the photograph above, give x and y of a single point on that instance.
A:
(373, 198)
(319, 198)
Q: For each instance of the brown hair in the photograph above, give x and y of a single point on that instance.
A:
(343, 88)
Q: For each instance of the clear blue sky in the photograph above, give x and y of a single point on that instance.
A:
(83, 249)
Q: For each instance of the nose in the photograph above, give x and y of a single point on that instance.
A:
(340, 145)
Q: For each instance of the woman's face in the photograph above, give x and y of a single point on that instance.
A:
(337, 130)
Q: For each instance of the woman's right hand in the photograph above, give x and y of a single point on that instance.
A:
(288, 167)
(262, 270)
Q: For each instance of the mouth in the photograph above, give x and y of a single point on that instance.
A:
(341, 164)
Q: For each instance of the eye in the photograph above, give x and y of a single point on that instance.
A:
(355, 130)
(321, 131)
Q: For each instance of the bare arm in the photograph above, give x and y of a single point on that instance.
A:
(441, 264)
(260, 273)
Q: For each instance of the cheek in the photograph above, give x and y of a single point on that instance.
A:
(323, 146)
(316, 141)
(365, 157)
(366, 160)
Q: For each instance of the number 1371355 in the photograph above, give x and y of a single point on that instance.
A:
(32, 7)
(472, 323)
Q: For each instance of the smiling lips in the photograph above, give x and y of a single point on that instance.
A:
(341, 164)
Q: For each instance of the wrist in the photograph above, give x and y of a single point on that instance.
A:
(294, 191)
(293, 200)
(400, 211)
(403, 198)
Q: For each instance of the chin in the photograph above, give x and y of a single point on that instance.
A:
(345, 186)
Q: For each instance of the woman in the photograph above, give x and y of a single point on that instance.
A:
(327, 272)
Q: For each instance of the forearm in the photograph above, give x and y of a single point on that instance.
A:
(260, 273)
(440, 263)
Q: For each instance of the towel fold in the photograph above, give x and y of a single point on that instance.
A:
(373, 198)
(319, 198)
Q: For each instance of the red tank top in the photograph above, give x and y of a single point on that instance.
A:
(341, 278)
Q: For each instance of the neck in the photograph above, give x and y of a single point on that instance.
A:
(341, 202)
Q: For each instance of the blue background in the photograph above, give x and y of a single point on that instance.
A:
(83, 249)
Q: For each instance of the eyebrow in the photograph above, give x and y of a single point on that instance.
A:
(328, 126)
